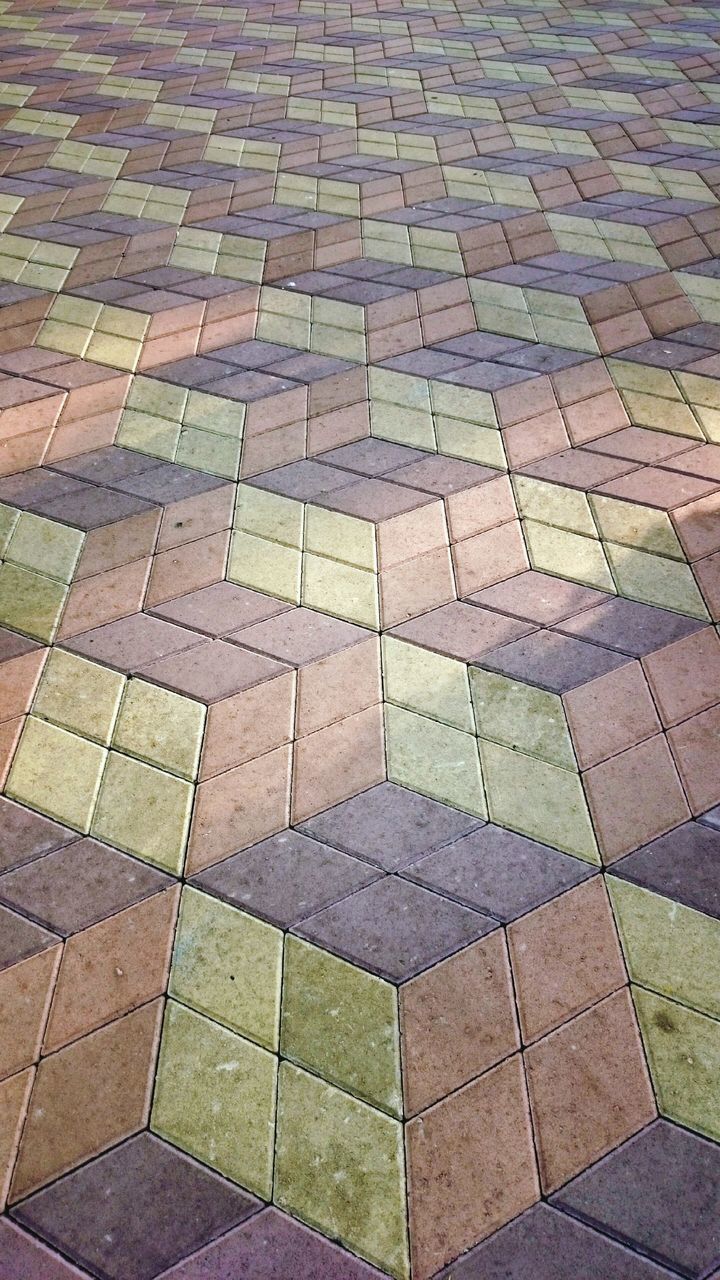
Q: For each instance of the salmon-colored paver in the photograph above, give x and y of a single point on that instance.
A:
(359, 652)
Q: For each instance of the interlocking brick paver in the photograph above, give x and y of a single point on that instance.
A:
(359, 658)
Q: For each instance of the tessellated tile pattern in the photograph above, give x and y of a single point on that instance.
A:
(359, 653)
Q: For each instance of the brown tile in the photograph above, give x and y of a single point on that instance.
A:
(337, 762)
(239, 808)
(87, 1097)
(339, 664)
(695, 745)
(26, 990)
(565, 956)
(589, 1089)
(610, 714)
(457, 1019)
(14, 1095)
(221, 608)
(635, 797)
(103, 599)
(189, 567)
(685, 676)
(111, 968)
(471, 1166)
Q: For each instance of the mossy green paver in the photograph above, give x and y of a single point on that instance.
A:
(339, 1165)
(683, 1051)
(435, 759)
(538, 800)
(144, 811)
(160, 727)
(228, 965)
(57, 772)
(670, 948)
(79, 695)
(341, 1022)
(215, 1098)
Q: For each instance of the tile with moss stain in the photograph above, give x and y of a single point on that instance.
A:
(428, 683)
(343, 590)
(228, 965)
(144, 811)
(30, 602)
(435, 759)
(45, 546)
(215, 1097)
(79, 695)
(341, 1023)
(9, 517)
(265, 566)
(522, 717)
(160, 727)
(57, 773)
(569, 555)
(655, 580)
(670, 948)
(538, 800)
(683, 1050)
(339, 1167)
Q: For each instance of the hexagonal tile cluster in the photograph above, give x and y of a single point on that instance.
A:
(359, 653)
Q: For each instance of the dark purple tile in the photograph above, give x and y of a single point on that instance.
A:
(389, 825)
(630, 627)
(395, 929)
(372, 457)
(287, 878)
(23, 1258)
(20, 938)
(711, 818)
(107, 466)
(683, 865)
(543, 1244)
(25, 835)
(135, 1211)
(74, 887)
(272, 1246)
(659, 1192)
(499, 873)
(551, 661)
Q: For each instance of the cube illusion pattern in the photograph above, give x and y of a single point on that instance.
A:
(359, 654)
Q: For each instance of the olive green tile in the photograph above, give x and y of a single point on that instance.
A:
(655, 580)
(44, 545)
(435, 759)
(57, 773)
(9, 517)
(342, 1023)
(427, 682)
(228, 965)
(568, 555)
(668, 947)
(79, 695)
(538, 800)
(522, 717)
(683, 1050)
(206, 451)
(342, 590)
(265, 566)
(30, 602)
(144, 811)
(339, 1166)
(160, 727)
(215, 1098)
